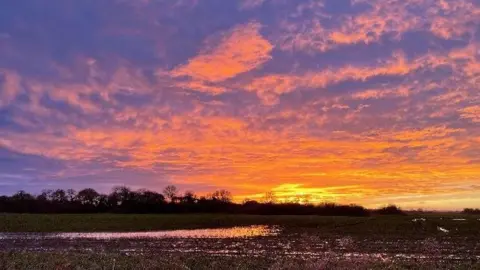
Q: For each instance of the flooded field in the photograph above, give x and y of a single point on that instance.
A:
(433, 244)
(227, 233)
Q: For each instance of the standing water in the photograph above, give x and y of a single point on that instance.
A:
(235, 232)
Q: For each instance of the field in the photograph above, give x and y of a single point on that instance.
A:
(297, 242)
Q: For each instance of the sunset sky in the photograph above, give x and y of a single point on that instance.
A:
(349, 101)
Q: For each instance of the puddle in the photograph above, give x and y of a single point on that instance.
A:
(248, 242)
(442, 229)
(419, 219)
(235, 232)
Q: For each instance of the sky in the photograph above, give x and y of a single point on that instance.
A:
(349, 101)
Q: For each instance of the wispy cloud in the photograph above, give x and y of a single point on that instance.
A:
(240, 50)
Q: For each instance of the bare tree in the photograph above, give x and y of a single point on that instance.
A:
(120, 195)
(222, 195)
(306, 198)
(189, 197)
(149, 198)
(22, 196)
(170, 192)
(46, 195)
(269, 197)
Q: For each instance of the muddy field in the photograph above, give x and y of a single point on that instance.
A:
(427, 242)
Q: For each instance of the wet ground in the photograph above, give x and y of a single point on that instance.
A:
(255, 241)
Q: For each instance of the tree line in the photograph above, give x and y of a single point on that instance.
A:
(125, 200)
(471, 211)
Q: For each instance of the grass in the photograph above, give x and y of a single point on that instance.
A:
(66, 260)
(302, 232)
(376, 225)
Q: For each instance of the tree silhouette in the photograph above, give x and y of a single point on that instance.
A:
(71, 195)
(46, 195)
(170, 193)
(189, 198)
(124, 200)
(471, 211)
(222, 195)
(88, 196)
(59, 195)
(22, 196)
(120, 195)
(269, 197)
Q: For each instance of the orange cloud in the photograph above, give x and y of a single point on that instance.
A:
(240, 50)
(426, 133)
(270, 86)
(382, 93)
(472, 113)
(201, 86)
(227, 151)
(446, 19)
(452, 19)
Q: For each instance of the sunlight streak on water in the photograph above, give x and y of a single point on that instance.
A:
(235, 232)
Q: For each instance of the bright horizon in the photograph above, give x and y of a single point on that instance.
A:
(372, 102)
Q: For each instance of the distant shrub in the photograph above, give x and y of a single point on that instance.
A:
(471, 211)
(390, 210)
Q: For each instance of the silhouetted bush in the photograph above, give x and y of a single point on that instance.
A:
(471, 211)
(390, 210)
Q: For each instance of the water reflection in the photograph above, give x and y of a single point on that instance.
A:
(235, 232)
(442, 229)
